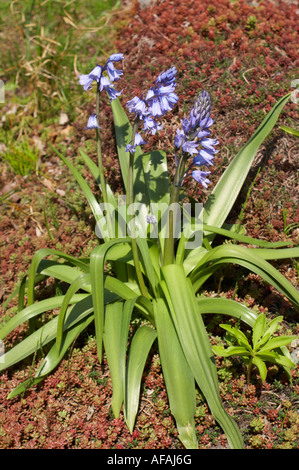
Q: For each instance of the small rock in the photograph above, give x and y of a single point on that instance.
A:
(295, 356)
(63, 119)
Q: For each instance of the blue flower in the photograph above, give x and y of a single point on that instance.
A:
(161, 98)
(95, 74)
(138, 107)
(113, 73)
(190, 146)
(92, 122)
(193, 135)
(167, 77)
(200, 177)
(137, 141)
(151, 219)
(151, 125)
(158, 101)
(103, 82)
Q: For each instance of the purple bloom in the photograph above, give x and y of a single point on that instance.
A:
(194, 133)
(151, 125)
(161, 99)
(167, 77)
(200, 177)
(158, 101)
(103, 82)
(179, 138)
(138, 106)
(92, 122)
(203, 158)
(137, 141)
(190, 146)
(151, 219)
(209, 144)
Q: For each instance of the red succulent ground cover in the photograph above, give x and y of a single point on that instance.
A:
(246, 55)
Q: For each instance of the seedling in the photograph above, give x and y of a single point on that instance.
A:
(265, 346)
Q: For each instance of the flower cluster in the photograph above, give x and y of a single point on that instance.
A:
(103, 83)
(194, 133)
(158, 101)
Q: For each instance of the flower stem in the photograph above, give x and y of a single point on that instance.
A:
(130, 196)
(174, 199)
(101, 168)
(249, 366)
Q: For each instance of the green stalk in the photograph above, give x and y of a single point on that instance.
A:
(249, 366)
(101, 168)
(130, 196)
(174, 198)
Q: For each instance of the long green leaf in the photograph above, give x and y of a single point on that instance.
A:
(247, 258)
(38, 257)
(196, 345)
(60, 271)
(46, 333)
(178, 378)
(97, 265)
(245, 239)
(218, 305)
(226, 191)
(94, 170)
(285, 253)
(156, 178)
(82, 281)
(93, 203)
(139, 349)
(52, 359)
(228, 187)
(36, 309)
(116, 331)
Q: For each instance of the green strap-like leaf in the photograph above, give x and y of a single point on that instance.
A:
(36, 309)
(228, 187)
(93, 203)
(140, 347)
(196, 345)
(94, 169)
(178, 378)
(226, 191)
(245, 239)
(81, 282)
(219, 305)
(114, 332)
(247, 258)
(35, 264)
(285, 253)
(97, 265)
(52, 359)
(46, 333)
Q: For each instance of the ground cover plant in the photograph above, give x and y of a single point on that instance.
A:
(202, 411)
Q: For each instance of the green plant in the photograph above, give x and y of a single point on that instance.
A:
(22, 157)
(265, 346)
(46, 38)
(289, 130)
(149, 293)
(288, 227)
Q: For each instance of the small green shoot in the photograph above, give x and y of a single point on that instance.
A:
(265, 346)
